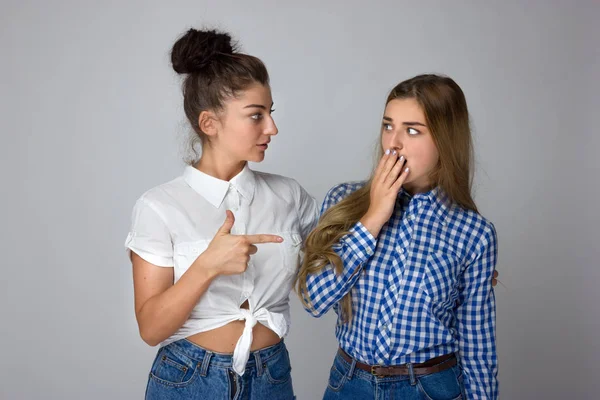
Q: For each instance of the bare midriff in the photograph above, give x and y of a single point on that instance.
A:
(225, 338)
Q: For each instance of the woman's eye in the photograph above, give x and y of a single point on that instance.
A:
(387, 127)
(256, 117)
(412, 131)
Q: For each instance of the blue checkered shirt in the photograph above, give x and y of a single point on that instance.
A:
(421, 289)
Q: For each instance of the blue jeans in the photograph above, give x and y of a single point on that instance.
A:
(183, 370)
(348, 382)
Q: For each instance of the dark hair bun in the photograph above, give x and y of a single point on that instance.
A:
(195, 50)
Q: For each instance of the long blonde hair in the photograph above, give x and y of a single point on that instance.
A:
(446, 114)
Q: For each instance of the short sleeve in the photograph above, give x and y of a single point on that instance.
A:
(308, 212)
(149, 236)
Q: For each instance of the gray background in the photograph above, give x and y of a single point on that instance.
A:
(91, 116)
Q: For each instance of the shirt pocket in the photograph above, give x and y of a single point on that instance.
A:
(291, 251)
(440, 278)
(185, 254)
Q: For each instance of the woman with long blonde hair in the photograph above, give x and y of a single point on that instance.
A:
(407, 262)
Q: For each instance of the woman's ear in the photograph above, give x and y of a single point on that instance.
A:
(208, 123)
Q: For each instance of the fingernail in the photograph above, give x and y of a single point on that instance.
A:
(406, 170)
(394, 152)
(401, 158)
(280, 239)
(387, 152)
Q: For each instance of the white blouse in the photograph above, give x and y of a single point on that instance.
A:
(174, 222)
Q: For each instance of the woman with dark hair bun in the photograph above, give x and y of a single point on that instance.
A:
(216, 250)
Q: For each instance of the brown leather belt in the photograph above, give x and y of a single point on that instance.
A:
(431, 366)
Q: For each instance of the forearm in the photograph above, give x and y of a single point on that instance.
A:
(327, 287)
(479, 361)
(163, 314)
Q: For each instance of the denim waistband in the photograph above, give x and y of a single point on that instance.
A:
(203, 356)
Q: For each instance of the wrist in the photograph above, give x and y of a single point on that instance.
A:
(204, 268)
(372, 223)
